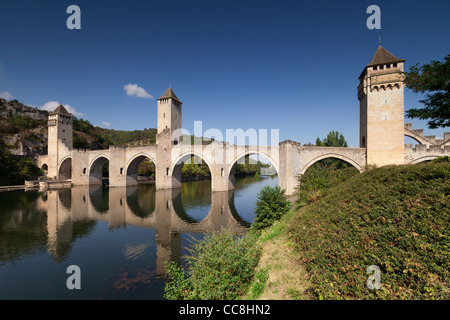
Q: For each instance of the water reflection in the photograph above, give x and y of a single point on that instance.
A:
(49, 224)
(72, 213)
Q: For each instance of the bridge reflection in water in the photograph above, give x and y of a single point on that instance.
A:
(142, 206)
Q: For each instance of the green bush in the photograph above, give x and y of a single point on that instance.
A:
(320, 178)
(396, 218)
(271, 205)
(220, 266)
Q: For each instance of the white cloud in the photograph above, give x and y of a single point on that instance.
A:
(106, 124)
(52, 105)
(136, 91)
(6, 95)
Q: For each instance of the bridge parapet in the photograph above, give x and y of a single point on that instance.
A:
(421, 153)
(418, 135)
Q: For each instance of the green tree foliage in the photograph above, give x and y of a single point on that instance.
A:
(333, 139)
(433, 79)
(271, 205)
(15, 169)
(220, 267)
(147, 168)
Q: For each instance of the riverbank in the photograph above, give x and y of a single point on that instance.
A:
(394, 219)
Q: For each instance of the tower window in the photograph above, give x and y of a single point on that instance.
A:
(375, 68)
(164, 115)
(84, 170)
(121, 170)
(394, 65)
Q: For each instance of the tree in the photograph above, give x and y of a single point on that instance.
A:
(434, 79)
(333, 139)
(271, 205)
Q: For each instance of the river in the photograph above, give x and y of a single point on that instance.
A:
(120, 238)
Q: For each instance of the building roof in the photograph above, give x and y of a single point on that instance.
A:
(382, 56)
(169, 94)
(61, 110)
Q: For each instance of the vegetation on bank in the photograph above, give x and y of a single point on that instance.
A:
(395, 217)
(14, 170)
(223, 265)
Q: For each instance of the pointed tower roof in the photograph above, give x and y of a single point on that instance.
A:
(382, 56)
(169, 94)
(61, 110)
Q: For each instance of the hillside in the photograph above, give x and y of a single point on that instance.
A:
(24, 130)
(396, 218)
(23, 136)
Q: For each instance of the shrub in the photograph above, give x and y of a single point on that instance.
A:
(396, 218)
(320, 178)
(271, 205)
(221, 266)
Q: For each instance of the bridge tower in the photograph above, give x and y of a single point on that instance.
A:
(381, 97)
(169, 115)
(168, 134)
(60, 140)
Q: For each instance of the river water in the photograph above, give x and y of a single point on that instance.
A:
(119, 238)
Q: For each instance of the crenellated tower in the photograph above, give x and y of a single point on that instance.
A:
(60, 138)
(381, 97)
(169, 115)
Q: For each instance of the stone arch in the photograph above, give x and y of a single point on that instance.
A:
(175, 170)
(415, 137)
(44, 168)
(232, 165)
(332, 155)
(132, 167)
(65, 169)
(96, 169)
(423, 159)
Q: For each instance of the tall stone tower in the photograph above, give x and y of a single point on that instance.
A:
(169, 115)
(60, 139)
(380, 94)
(169, 134)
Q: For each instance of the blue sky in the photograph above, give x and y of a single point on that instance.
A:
(287, 65)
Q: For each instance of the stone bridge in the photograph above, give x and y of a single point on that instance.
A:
(382, 132)
(289, 159)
